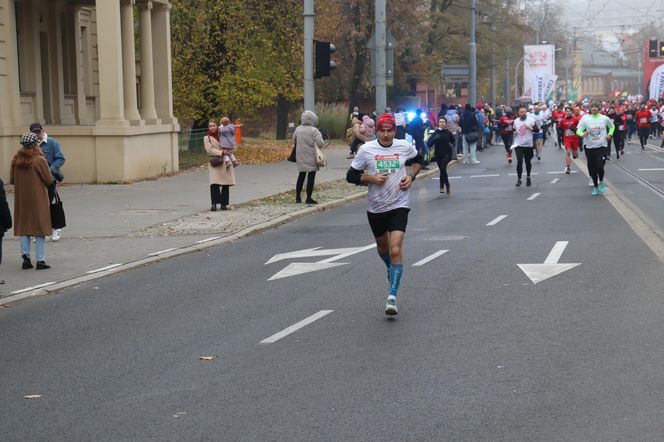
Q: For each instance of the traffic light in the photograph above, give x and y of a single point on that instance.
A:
(323, 65)
(652, 49)
(661, 48)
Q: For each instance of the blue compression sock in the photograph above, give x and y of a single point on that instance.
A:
(395, 278)
(386, 259)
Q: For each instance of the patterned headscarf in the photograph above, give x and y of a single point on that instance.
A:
(29, 139)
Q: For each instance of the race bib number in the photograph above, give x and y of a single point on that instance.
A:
(643, 120)
(621, 127)
(569, 133)
(387, 163)
(509, 128)
(629, 117)
(595, 133)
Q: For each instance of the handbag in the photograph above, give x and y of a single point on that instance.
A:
(57, 212)
(292, 158)
(321, 160)
(216, 160)
(472, 137)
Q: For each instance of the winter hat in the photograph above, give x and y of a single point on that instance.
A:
(386, 121)
(29, 139)
(368, 121)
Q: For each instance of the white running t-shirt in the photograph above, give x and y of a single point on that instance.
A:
(376, 159)
(523, 132)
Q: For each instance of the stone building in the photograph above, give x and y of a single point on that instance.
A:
(97, 75)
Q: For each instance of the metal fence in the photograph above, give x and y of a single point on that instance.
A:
(192, 140)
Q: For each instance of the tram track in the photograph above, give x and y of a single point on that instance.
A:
(641, 180)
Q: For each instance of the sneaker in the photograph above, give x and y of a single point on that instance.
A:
(629, 141)
(568, 170)
(528, 183)
(509, 160)
(595, 191)
(310, 201)
(442, 190)
(41, 265)
(518, 183)
(475, 162)
(213, 208)
(391, 306)
(602, 187)
(539, 158)
(464, 162)
(56, 235)
(298, 199)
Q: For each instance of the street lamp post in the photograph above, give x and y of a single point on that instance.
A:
(516, 79)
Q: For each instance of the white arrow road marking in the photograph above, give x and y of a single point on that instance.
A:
(298, 268)
(555, 180)
(430, 258)
(550, 268)
(295, 327)
(533, 196)
(497, 220)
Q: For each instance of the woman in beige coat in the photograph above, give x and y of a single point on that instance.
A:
(221, 177)
(307, 138)
(30, 176)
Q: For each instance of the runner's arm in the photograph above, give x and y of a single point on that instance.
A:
(356, 177)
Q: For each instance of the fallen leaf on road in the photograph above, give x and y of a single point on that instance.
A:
(207, 358)
(32, 396)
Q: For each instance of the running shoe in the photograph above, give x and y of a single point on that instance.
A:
(475, 162)
(391, 306)
(568, 170)
(602, 187)
(528, 183)
(518, 183)
(595, 191)
(539, 158)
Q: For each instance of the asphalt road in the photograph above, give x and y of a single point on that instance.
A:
(478, 352)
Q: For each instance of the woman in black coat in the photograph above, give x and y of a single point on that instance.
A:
(442, 141)
(5, 216)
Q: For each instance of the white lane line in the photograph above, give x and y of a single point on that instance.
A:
(497, 220)
(514, 174)
(430, 258)
(485, 176)
(655, 169)
(34, 287)
(160, 252)
(555, 180)
(112, 266)
(555, 172)
(295, 327)
(533, 196)
(207, 240)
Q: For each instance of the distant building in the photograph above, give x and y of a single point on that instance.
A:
(72, 65)
(604, 72)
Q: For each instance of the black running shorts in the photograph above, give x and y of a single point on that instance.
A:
(389, 221)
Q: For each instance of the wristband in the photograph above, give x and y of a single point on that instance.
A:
(412, 177)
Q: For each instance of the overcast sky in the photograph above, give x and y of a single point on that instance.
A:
(612, 15)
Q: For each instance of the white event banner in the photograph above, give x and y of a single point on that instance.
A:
(657, 83)
(537, 60)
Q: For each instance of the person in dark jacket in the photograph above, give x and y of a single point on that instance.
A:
(470, 128)
(416, 130)
(5, 217)
(443, 142)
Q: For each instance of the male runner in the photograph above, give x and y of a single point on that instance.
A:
(538, 134)
(524, 126)
(597, 130)
(570, 138)
(385, 160)
(643, 125)
(557, 116)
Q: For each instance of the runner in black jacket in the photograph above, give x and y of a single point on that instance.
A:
(442, 140)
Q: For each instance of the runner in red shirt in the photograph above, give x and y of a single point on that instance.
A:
(643, 125)
(506, 126)
(571, 139)
(557, 115)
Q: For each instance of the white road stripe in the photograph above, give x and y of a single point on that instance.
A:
(160, 252)
(655, 169)
(430, 258)
(555, 172)
(484, 176)
(533, 196)
(555, 180)
(497, 220)
(112, 266)
(295, 327)
(34, 287)
(514, 174)
(207, 240)
(556, 252)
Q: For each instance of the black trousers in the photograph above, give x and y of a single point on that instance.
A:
(1, 249)
(524, 153)
(618, 140)
(442, 166)
(596, 159)
(560, 134)
(643, 132)
(311, 177)
(507, 141)
(220, 194)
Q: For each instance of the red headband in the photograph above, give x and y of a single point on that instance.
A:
(386, 121)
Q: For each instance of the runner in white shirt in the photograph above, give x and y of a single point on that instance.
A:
(538, 135)
(385, 160)
(596, 130)
(524, 126)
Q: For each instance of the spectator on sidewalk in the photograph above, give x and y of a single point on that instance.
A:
(227, 141)
(307, 138)
(222, 177)
(55, 159)
(5, 217)
(31, 177)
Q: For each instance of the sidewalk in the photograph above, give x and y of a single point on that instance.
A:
(109, 225)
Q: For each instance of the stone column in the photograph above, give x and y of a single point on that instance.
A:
(10, 113)
(111, 94)
(129, 62)
(163, 81)
(148, 110)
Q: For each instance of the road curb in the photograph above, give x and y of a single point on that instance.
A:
(251, 230)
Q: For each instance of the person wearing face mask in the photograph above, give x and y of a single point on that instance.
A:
(524, 128)
(442, 141)
(597, 130)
